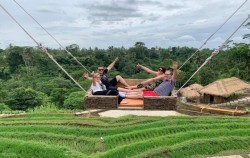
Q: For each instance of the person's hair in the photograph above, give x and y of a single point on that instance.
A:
(94, 75)
(163, 69)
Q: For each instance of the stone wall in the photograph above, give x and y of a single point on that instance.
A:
(160, 103)
(101, 102)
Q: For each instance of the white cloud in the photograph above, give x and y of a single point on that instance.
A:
(103, 23)
(185, 38)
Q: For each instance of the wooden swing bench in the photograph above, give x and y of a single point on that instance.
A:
(147, 103)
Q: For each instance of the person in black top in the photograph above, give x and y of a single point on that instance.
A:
(110, 84)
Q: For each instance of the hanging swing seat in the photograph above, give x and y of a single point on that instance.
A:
(148, 103)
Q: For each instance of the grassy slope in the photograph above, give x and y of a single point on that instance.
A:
(63, 135)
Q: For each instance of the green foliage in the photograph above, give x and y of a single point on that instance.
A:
(141, 75)
(30, 67)
(62, 82)
(3, 95)
(84, 83)
(22, 99)
(74, 100)
(58, 95)
(45, 65)
(14, 58)
(4, 107)
(49, 108)
(4, 74)
(131, 136)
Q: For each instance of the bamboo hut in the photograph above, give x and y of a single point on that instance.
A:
(196, 87)
(190, 93)
(218, 91)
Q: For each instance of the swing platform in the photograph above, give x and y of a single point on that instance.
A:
(146, 103)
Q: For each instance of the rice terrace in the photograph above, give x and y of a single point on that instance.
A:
(65, 135)
(171, 100)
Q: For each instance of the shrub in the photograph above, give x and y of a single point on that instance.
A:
(57, 96)
(22, 99)
(4, 107)
(43, 97)
(74, 100)
(46, 108)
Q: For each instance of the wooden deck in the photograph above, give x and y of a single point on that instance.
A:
(206, 108)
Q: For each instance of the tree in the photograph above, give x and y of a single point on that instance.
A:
(247, 35)
(240, 56)
(14, 58)
(73, 48)
(22, 99)
(58, 96)
(4, 107)
(139, 44)
(140, 50)
(74, 100)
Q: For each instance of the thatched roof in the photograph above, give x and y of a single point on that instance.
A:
(225, 87)
(196, 86)
(189, 93)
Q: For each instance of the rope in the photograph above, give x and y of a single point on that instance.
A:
(44, 49)
(52, 58)
(214, 53)
(70, 54)
(211, 35)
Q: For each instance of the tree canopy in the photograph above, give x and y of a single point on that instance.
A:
(28, 70)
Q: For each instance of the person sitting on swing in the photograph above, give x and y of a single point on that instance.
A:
(166, 87)
(98, 88)
(110, 84)
(161, 72)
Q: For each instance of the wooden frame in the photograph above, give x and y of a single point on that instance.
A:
(160, 103)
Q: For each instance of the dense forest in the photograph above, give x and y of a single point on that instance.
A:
(28, 78)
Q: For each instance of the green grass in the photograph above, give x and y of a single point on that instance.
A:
(64, 135)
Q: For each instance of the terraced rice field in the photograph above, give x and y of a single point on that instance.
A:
(64, 135)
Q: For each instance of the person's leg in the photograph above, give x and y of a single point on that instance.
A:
(101, 92)
(128, 90)
(120, 99)
(113, 82)
(106, 92)
(134, 95)
(121, 80)
(112, 92)
(132, 87)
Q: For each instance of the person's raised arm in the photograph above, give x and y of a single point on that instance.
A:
(86, 75)
(142, 84)
(112, 64)
(147, 69)
(175, 72)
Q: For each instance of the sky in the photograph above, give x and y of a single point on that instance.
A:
(104, 23)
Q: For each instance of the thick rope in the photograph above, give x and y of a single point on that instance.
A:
(44, 50)
(214, 53)
(52, 58)
(70, 54)
(212, 35)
